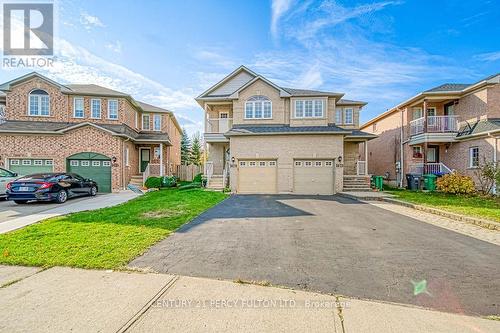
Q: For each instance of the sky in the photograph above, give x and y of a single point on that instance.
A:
(168, 52)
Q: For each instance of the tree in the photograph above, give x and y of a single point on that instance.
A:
(196, 149)
(185, 148)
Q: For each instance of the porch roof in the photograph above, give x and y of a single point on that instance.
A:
(48, 127)
(479, 128)
(284, 129)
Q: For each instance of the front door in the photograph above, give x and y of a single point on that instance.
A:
(433, 154)
(145, 158)
(223, 122)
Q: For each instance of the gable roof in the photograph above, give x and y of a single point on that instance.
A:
(457, 89)
(7, 85)
(94, 89)
(229, 87)
(343, 101)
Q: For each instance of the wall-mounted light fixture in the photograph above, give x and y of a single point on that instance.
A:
(232, 159)
(114, 159)
(340, 159)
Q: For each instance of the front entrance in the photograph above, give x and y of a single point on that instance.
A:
(432, 154)
(145, 158)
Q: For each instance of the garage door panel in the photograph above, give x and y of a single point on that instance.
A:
(27, 166)
(313, 177)
(97, 170)
(257, 177)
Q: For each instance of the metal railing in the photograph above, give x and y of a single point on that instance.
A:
(361, 168)
(209, 171)
(218, 125)
(434, 168)
(435, 124)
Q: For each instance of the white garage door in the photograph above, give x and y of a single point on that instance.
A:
(257, 176)
(313, 177)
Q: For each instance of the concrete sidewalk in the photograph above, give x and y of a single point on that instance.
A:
(101, 201)
(65, 299)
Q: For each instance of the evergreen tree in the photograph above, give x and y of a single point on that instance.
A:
(196, 149)
(185, 148)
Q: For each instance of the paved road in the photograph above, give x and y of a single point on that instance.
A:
(10, 210)
(335, 245)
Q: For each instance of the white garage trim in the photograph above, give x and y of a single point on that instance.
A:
(314, 176)
(257, 176)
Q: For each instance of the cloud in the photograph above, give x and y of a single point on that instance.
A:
(90, 21)
(490, 56)
(214, 57)
(278, 8)
(114, 46)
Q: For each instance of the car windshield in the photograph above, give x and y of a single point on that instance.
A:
(5, 173)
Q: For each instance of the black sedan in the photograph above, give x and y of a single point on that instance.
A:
(56, 187)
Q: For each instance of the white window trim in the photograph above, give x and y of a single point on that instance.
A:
(431, 108)
(415, 109)
(39, 114)
(154, 122)
(345, 116)
(324, 102)
(117, 109)
(149, 122)
(74, 107)
(253, 109)
(471, 149)
(92, 108)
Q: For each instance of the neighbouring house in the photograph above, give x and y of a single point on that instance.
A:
(449, 127)
(264, 138)
(99, 133)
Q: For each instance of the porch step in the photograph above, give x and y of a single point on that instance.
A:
(216, 182)
(362, 189)
(356, 183)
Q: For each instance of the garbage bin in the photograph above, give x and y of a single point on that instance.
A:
(379, 183)
(430, 182)
(413, 181)
(372, 182)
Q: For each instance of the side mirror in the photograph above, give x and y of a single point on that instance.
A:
(15, 174)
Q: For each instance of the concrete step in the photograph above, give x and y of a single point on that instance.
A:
(357, 189)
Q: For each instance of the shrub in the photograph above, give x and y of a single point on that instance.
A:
(456, 184)
(153, 182)
(189, 186)
(487, 175)
(198, 178)
(169, 181)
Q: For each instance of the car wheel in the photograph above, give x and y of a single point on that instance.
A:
(20, 202)
(62, 196)
(93, 191)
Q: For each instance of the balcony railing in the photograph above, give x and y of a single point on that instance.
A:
(435, 124)
(218, 125)
(434, 168)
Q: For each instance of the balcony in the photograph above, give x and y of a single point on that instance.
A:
(438, 129)
(216, 127)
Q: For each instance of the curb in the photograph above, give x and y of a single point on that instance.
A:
(491, 225)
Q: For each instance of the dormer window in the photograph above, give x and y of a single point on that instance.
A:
(309, 108)
(39, 103)
(258, 107)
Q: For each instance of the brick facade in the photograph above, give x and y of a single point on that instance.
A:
(82, 139)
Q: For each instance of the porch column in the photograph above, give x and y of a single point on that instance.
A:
(366, 157)
(161, 160)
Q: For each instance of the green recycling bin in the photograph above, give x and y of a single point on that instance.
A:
(372, 182)
(430, 182)
(379, 183)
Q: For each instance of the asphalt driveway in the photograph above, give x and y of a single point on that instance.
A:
(334, 245)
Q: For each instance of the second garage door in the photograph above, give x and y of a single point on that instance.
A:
(94, 166)
(257, 176)
(313, 177)
(28, 166)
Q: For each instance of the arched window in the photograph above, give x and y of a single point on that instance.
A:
(258, 107)
(39, 104)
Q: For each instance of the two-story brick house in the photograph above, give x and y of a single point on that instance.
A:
(459, 130)
(268, 139)
(97, 132)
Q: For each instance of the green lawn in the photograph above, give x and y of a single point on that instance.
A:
(105, 238)
(476, 206)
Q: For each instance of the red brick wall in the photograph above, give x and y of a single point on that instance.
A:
(59, 147)
(494, 101)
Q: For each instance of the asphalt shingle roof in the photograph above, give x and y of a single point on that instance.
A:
(93, 89)
(449, 87)
(285, 129)
(45, 126)
(343, 101)
(151, 108)
(306, 92)
(478, 127)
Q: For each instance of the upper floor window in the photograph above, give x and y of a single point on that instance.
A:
(39, 103)
(338, 116)
(78, 107)
(309, 108)
(145, 122)
(258, 107)
(95, 109)
(112, 109)
(349, 116)
(157, 122)
(417, 113)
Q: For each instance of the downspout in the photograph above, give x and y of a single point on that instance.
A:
(123, 163)
(495, 158)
